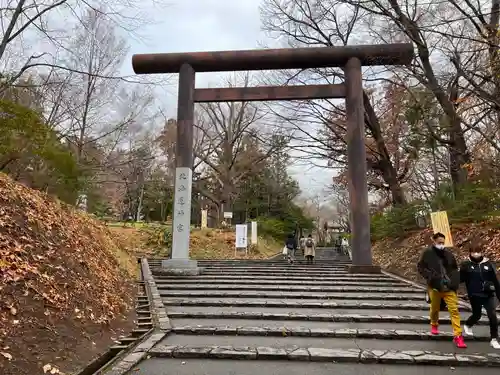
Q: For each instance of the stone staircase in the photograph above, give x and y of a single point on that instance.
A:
(317, 319)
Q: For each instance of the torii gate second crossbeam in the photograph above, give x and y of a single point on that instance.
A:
(350, 58)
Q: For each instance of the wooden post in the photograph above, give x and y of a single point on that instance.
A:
(356, 159)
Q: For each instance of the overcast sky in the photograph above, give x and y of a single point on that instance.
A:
(211, 25)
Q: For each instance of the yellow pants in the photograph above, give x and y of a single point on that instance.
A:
(451, 300)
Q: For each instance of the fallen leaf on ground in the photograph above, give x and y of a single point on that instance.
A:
(7, 355)
(54, 259)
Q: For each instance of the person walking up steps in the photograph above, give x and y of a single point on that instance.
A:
(302, 244)
(310, 249)
(479, 275)
(291, 246)
(439, 268)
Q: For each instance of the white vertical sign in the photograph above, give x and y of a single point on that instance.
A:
(204, 218)
(182, 213)
(254, 233)
(241, 236)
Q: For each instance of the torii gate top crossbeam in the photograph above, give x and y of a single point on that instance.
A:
(274, 59)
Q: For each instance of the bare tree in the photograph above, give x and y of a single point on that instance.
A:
(232, 141)
(457, 60)
(101, 110)
(317, 125)
(48, 22)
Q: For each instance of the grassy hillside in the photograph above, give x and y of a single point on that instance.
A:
(204, 243)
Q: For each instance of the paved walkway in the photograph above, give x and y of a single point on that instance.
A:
(271, 314)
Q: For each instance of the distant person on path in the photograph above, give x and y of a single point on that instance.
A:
(310, 249)
(439, 268)
(338, 244)
(479, 275)
(291, 246)
(344, 245)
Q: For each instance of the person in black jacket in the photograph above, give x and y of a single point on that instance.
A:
(291, 245)
(482, 284)
(440, 269)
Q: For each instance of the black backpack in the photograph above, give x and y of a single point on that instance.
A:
(309, 242)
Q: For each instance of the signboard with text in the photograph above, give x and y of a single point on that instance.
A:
(440, 224)
(241, 236)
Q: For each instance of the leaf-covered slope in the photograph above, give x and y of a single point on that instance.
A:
(64, 284)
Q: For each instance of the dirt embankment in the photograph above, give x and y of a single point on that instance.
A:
(204, 243)
(66, 287)
(400, 256)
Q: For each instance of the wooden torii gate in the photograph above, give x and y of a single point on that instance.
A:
(350, 58)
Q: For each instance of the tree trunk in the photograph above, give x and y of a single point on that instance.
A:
(385, 166)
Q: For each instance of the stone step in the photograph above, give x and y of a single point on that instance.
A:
(285, 267)
(272, 271)
(263, 261)
(284, 264)
(241, 325)
(291, 288)
(156, 366)
(296, 331)
(389, 310)
(275, 273)
(318, 317)
(347, 277)
(269, 294)
(201, 281)
(294, 267)
(281, 259)
(299, 260)
(297, 304)
(275, 261)
(321, 354)
(127, 340)
(360, 338)
(118, 348)
(139, 332)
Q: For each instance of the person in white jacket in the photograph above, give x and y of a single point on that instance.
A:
(310, 249)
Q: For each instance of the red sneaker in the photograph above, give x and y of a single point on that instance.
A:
(434, 330)
(459, 342)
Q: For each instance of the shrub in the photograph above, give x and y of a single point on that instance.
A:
(396, 221)
(274, 228)
(473, 203)
(159, 237)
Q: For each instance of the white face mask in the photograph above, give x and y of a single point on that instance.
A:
(439, 246)
(476, 255)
